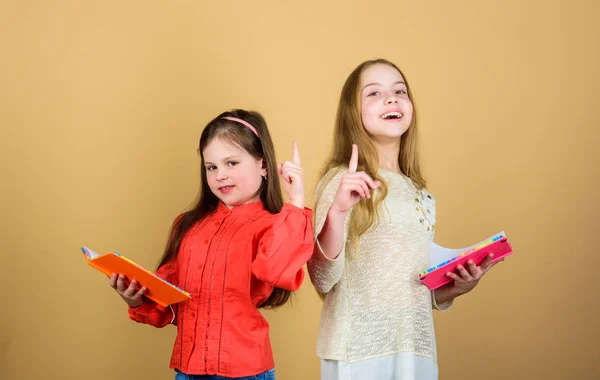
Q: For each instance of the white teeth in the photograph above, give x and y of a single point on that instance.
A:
(397, 115)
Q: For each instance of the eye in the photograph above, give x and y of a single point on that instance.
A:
(373, 93)
(402, 92)
(210, 168)
(232, 163)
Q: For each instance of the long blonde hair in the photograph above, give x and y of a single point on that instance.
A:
(349, 130)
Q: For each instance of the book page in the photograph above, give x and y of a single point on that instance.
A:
(439, 254)
(89, 253)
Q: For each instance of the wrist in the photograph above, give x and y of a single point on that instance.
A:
(335, 212)
(447, 293)
(135, 305)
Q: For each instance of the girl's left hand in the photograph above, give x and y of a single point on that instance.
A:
(293, 178)
(465, 281)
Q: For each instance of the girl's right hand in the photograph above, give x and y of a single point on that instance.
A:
(129, 295)
(353, 186)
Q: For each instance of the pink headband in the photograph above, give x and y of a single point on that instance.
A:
(242, 122)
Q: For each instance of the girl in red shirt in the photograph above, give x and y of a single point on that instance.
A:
(240, 248)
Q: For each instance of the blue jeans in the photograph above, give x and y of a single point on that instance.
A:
(268, 375)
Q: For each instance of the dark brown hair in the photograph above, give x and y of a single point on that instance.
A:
(207, 202)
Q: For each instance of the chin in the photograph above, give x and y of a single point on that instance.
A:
(400, 132)
(392, 136)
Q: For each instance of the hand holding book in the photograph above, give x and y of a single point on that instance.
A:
(133, 296)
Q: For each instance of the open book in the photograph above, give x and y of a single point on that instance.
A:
(159, 290)
(444, 260)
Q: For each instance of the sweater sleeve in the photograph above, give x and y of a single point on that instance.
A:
(323, 271)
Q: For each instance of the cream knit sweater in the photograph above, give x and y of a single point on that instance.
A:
(376, 305)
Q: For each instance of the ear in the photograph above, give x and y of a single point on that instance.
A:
(263, 170)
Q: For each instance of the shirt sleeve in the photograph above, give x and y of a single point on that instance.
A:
(152, 313)
(284, 246)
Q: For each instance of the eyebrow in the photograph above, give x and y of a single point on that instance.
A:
(379, 84)
(225, 159)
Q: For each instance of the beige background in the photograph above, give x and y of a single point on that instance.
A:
(102, 104)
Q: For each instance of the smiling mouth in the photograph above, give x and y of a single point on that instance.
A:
(392, 116)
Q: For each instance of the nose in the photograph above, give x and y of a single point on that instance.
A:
(391, 99)
(221, 174)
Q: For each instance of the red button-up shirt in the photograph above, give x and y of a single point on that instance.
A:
(229, 263)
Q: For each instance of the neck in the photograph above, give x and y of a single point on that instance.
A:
(388, 155)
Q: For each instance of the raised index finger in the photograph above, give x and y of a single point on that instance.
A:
(296, 154)
(353, 159)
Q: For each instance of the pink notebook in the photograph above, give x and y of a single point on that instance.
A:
(444, 260)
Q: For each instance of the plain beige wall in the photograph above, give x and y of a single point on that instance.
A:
(102, 104)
